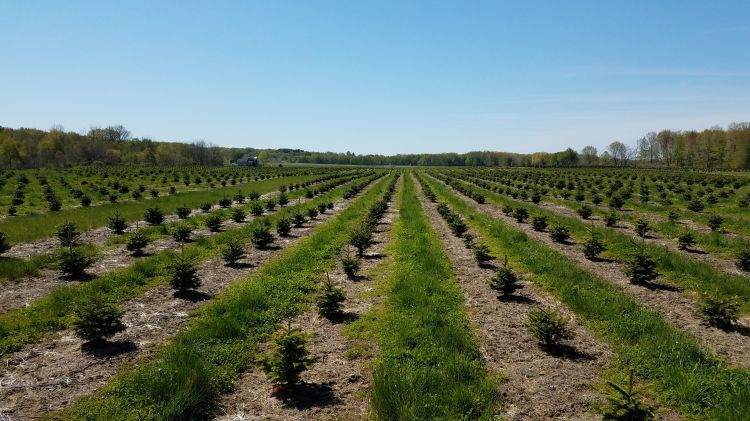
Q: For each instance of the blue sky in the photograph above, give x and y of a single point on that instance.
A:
(377, 77)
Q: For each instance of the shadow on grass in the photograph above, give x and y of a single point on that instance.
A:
(658, 287)
(307, 395)
(107, 349)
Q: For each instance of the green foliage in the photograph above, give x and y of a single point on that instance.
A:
(593, 247)
(641, 227)
(238, 215)
(559, 233)
(482, 254)
(117, 223)
(539, 223)
(225, 202)
(256, 209)
(205, 207)
(4, 243)
(673, 215)
(350, 264)
(715, 221)
(298, 218)
(288, 358)
(261, 236)
(181, 232)
(612, 218)
(213, 222)
(270, 205)
(505, 280)
(616, 202)
(624, 404)
(137, 241)
(521, 214)
(312, 213)
(548, 327)
(329, 299)
(183, 274)
(68, 234)
(641, 268)
(233, 251)
(361, 238)
(283, 226)
(743, 260)
(695, 206)
(585, 212)
(154, 215)
(719, 311)
(96, 319)
(685, 241)
(183, 212)
(74, 262)
(322, 207)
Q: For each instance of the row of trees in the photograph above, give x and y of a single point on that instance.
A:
(710, 149)
(32, 148)
(714, 148)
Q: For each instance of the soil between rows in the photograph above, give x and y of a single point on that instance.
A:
(676, 306)
(50, 375)
(334, 387)
(538, 385)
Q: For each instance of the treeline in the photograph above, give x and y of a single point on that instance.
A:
(711, 149)
(32, 148)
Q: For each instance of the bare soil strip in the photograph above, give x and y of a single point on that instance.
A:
(22, 292)
(100, 236)
(334, 386)
(676, 306)
(652, 237)
(538, 385)
(50, 375)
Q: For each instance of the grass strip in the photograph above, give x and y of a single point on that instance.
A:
(681, 270)
(55, 310)
(27, 228)
(429, 366)
(683, 374)
(201, 362)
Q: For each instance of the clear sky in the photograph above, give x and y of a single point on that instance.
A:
(379, 76)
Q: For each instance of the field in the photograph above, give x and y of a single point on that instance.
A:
(322, 292)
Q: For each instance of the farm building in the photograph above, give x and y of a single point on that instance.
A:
(248, 161)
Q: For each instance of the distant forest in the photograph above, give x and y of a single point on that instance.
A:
(711, 149)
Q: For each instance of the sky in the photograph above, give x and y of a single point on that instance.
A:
(383, 77)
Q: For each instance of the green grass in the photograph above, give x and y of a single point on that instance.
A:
(684, 375)
(199, 364)
(13, 269)
(429, 365)
(675, 267)
(32, 227)
(54, 311)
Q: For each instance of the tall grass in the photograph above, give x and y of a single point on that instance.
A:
(54, 311)
(675, 267)
(682, 372)
(429, 366)
(199, 364)
(32, 227)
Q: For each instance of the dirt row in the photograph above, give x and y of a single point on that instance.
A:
(23, 292)
(538, 385)
(678, 307)
(334, 386)
(99, 236)
(50, 375)
(722, 264)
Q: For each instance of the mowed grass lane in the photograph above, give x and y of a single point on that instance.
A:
(682, 373)
(429, 365)
(199, 364)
